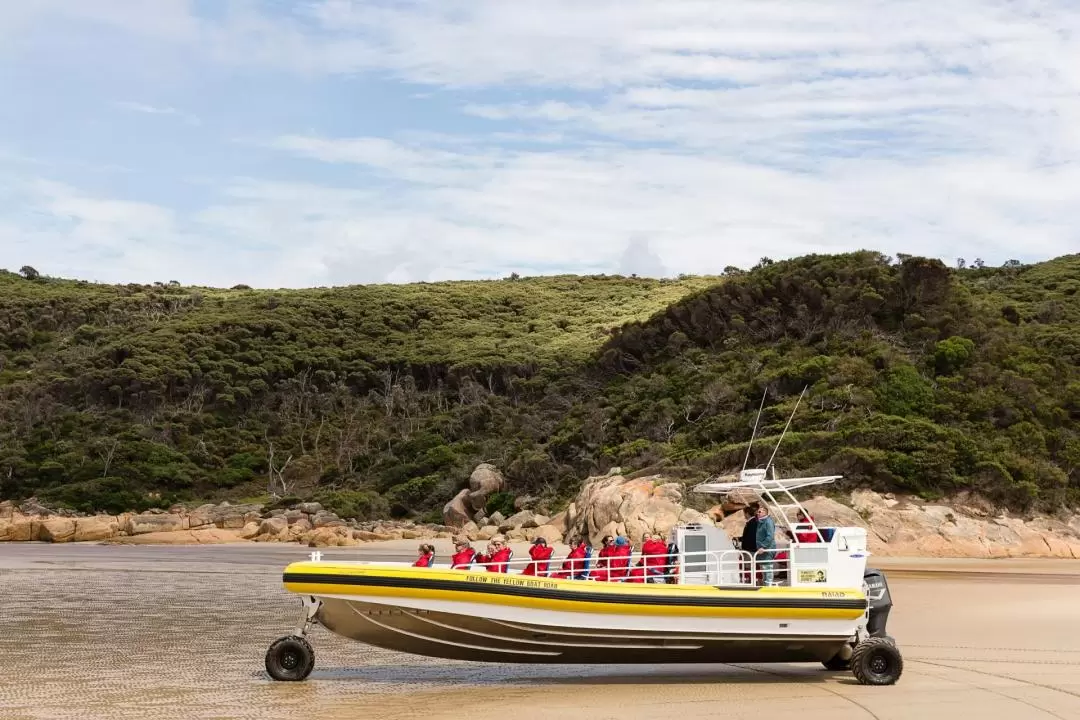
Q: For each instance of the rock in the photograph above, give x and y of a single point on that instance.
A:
(249, 531)
(517, 535)
(369, 536)
(56, 529)
(470, 530)
(153, 523)
(7, 510)
(18, 528)
(559, 521)
(310, 508)
(301, 526)
(273, 526)
(486, 478)
(497, 518)
(96, 528)
(33, 507)
(487, 532)
(327, 519)
(548, 532)
(456, 512)
(536, 521)
(616, 504)
(517, 520)
(294, 515)
(523, 502)
(202, 536)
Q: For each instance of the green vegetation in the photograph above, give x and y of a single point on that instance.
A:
(380, 400)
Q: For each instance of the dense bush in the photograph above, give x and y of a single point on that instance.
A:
(381, 399)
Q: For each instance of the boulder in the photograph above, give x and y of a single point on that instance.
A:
(295, 515)
(56, 529)
(615, 504)
(153, 523)
(487, 532)
(548, 532)
(273, 526)
(327, 519)
(7, 509)
(456, 512)
(536, 521)
(249, 531)
(310, 508)
(517, 520)
(486, 478)
(470, 530)
(497, 518)
(18, 528)
(96, 528)
(559, 521)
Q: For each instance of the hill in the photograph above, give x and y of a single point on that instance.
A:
(381, 399)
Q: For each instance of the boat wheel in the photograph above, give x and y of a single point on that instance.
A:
(290, 658)
(876, 661)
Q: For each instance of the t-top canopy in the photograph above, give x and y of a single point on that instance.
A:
(757, 480)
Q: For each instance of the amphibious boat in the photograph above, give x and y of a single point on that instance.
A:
(716, 603)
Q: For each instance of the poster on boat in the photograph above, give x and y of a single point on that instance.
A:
(814, 575)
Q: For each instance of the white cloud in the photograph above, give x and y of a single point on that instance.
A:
(719, 133)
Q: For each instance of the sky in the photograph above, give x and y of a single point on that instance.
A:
(332, 142)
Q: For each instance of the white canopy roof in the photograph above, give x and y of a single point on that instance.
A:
(762, 483)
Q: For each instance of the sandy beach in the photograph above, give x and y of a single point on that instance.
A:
(90, 631)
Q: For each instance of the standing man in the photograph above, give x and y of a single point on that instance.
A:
(748, 542)
(766, 543)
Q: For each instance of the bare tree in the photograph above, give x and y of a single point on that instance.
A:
(277, 474)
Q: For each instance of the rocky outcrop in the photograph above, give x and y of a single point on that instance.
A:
(615, 504)
(469, 504)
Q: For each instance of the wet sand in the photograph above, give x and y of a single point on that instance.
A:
(90, 631)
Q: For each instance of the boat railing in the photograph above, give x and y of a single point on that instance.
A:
(711, 567)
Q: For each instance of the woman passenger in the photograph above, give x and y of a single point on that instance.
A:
(427, 556)
(496, 557)
(540, 552)
(463, 558)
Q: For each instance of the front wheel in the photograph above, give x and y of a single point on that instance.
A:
(290, 658)
(876, 661)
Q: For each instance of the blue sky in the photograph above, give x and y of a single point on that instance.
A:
(291, 144)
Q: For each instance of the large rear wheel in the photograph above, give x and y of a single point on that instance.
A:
(290, 658)
(876, 661)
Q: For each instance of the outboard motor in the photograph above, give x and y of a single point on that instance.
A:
(877, 592)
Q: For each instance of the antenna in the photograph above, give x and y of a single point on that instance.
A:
(755, 427)
(786, 427)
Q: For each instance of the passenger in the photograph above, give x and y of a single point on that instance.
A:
(620, 559)
(748, 542)
(671, 570)
(602, 571)
(782, 557)
(654, 551)
(765, 537)
(540, 552)
(806, 534)
(574, 566)
(427, 556)
(496, 557)
(464, 557)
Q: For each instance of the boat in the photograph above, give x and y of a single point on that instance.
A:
(712, 603)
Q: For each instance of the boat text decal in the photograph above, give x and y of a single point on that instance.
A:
(518, 582)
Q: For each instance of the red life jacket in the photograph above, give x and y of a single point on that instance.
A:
(464, 559)
(569, 566)
(620, 562)
(425, 560)
(808, 536)
(602, 572)
(655, 552)
(496, 562)
(538, 553)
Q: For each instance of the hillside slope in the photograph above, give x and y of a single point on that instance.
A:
(380, 399)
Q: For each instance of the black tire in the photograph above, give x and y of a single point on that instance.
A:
(290, 658)
(876, 661)
(836, 664)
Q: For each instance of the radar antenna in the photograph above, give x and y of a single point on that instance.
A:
(753, 434)
(785, 431)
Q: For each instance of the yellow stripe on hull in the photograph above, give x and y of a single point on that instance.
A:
(541, 593)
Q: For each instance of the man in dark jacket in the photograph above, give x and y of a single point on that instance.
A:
(748, 543)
